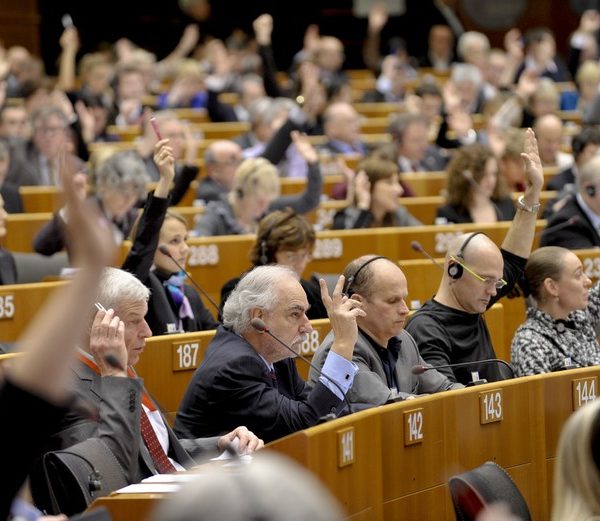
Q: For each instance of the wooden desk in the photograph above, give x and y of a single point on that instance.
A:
(393, 462)
(21, 228)
(19, 303)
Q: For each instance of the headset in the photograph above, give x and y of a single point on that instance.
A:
(348, 285)
(245, 183)
(264, 259)
(455, 270)
(591, 190)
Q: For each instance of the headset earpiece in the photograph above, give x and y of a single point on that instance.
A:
(590, 190)
(95, 482)
(263, 252)
(348, 285)
(455, 270)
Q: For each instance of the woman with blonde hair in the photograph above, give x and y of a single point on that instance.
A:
(577, 467)
(256, 191)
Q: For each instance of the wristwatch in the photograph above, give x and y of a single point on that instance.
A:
(521, 205)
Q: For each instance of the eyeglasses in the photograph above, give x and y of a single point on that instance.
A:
(488, 281)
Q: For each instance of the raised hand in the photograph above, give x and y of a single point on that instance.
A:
(263, 28)
(378, 17)
(165, 161)
(342, 312)
(304, 146)
(362, 190)
(107, 337)
(533, 163)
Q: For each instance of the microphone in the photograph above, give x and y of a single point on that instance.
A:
(416, 246)
(165, 251)
(560, 226)
(261, 327)
(420, 369)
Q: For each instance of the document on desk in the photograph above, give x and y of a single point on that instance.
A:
(149, 488)
(177, 477)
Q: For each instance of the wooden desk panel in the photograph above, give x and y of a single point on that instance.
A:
(21, 228)
(20, 302)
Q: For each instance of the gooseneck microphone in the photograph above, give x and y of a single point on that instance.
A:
(420, 369)
(560, 226)
(165, 251)
(416, 246)
(261, 327)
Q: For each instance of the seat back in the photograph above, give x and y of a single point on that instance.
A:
(76, 476)
(489, 483)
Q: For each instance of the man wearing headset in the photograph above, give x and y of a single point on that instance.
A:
(450, 328)
(384, 353)
(580, 214)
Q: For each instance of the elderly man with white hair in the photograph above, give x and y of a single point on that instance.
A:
(248, 374)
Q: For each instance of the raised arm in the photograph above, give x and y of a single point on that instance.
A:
(49, 341)
(520, 235)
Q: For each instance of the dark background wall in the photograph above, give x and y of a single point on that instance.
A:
(157, 24)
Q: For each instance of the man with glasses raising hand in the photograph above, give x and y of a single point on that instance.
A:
(450, 328)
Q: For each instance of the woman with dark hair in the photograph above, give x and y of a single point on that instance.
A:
(173, 306)
(285, 238)
(475, 193)
(376, 193)
(560, 331)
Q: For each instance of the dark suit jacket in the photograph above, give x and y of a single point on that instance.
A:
(561, 179)
(161, 308)
(8, 268)
(578, 235)
(233, 387)
(12, 199)
(505, 211)
(370, 384)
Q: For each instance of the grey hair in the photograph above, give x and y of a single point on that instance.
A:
(45, 112)
(258, 110)
(465, 72)
(469, 39)
(120, 170)
(272, 488)
(117, 286)
(254, 290)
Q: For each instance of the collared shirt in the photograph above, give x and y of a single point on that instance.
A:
(591, 215)
(154, 415)
(389, 358)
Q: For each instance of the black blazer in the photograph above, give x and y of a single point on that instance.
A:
(161, 308)
(505, 211)
(233, 387)
(8, 268)
(578, 235)
(561, 179)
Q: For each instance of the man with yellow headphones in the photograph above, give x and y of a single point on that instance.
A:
(450, 328)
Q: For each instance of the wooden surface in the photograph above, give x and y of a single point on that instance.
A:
(384, 478)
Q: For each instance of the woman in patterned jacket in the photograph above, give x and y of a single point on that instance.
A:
(560, 330)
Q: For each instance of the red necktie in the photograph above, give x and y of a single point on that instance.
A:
(161, 462)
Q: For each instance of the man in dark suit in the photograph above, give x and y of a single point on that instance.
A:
(110, 384)
(585, 145)
(249, 376)
(580, 213)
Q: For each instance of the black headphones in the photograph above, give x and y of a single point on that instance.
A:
(264, 259)
(591, 190)
(455, 270)
(352, 278)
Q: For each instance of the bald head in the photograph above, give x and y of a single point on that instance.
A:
(473, 266)
(548, 131)
(221, 160)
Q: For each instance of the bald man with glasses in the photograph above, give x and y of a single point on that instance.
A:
(450, 327)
